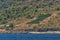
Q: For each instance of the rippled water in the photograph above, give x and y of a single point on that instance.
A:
(29, 36)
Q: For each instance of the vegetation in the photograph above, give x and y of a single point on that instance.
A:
(24, 11)
(9, 27)
(41, 17)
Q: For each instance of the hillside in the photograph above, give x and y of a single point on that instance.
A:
(29, 15)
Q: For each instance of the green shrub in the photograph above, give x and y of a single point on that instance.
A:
(10, 27)
(58, 8)
(39, 18)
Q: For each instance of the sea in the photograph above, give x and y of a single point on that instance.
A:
(10, 36)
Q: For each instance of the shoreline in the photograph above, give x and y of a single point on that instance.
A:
(48, 32)
(32, 32)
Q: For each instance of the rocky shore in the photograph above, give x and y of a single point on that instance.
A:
(48, 32)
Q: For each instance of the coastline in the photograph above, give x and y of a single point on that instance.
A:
(48, 32)
(31, 32)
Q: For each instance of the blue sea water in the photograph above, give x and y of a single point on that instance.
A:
(29, 36)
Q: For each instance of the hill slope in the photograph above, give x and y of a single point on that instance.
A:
(29, 15)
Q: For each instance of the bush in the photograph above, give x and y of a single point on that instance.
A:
(10, 27)
(3, 21)
(39, 18)
(58, 8)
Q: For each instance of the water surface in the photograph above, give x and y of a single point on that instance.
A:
(29, 36)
